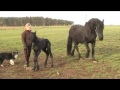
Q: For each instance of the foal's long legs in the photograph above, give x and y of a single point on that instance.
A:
(48, 52)
(36, 65)
(88, 50)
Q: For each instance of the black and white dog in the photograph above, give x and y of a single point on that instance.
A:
(11, 56)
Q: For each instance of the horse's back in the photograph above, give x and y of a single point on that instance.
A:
(44, 43)
(79, 33)
(47, 41)
(75, 28)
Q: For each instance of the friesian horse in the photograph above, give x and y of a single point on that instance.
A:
(85, 34)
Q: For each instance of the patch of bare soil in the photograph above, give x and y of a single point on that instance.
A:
(63, 69)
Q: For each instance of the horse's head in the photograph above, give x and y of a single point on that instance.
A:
(96, 26)
(99, 29)
(33, 36)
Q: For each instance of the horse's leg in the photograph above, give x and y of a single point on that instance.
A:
(51, 56)
(1, 61)
(72, 53)
(93, 50)
(36, 65)
(76, 47)
(47, 54)
(88, 50)
(35, 58)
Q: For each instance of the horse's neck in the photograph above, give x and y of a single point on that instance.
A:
(92, 25)
(90, 31)
(36, 40)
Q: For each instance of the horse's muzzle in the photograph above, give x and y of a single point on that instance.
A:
(100, 38)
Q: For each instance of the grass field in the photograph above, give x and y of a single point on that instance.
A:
(107, 52)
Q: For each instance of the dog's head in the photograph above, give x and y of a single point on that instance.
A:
(15, 54)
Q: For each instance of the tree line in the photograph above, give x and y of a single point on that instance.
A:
(35, 21)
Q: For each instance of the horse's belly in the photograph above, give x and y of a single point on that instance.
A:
(35, 47)
(91, 40)
(80, 40)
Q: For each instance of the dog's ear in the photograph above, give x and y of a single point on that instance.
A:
(13, 53)
(17, 51)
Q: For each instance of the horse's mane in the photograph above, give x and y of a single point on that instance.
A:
(92, 23)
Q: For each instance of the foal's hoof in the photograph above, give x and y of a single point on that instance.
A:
(72, 55)
(45, 66)
(52, 65)
(28, 68)
(87, 56)
(81, 58)
(35, 69)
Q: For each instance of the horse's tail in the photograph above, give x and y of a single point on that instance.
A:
(49, 48)
(69, 45)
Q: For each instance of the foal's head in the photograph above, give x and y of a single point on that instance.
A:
(34, 37)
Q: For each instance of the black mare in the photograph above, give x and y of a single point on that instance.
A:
(38, 45)
(85, 34)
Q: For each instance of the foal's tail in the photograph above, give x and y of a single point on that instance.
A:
(49, 50)
(69, 45)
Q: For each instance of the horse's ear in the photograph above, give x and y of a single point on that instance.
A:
(103, 20)
(35, 32)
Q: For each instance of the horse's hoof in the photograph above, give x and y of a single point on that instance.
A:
(33, 69)
(87, 56)
(81, 58)
(52, 65)
(72, 55)
(28, 68)
(45, 65)
(37, 67)
(95, 61)
(2, 65)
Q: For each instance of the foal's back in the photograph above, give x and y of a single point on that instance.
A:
(42, 44)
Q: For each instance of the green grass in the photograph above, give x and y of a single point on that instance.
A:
(107, 52)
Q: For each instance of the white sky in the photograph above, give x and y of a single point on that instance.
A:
(78, 17)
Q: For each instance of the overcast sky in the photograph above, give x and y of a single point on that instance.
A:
(78, 17)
